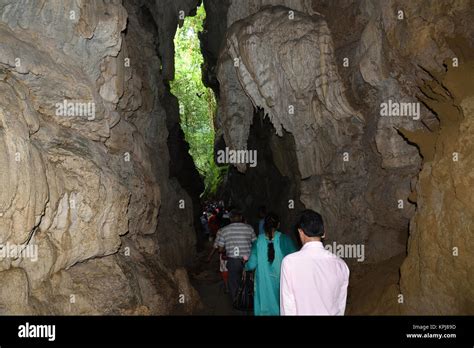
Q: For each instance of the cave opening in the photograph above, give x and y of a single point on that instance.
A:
(197, 103)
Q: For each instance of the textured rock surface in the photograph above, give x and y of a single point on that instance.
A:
(437, 276)
(91, 192)
(286, 67)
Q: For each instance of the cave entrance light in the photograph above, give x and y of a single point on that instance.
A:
(197, 104)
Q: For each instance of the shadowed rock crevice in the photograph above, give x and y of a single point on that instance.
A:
(272, 181)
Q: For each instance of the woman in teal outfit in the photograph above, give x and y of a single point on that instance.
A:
(267, 253)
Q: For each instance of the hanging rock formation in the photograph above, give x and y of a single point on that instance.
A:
(286, 67)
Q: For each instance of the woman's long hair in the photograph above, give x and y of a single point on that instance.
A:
(272, 222)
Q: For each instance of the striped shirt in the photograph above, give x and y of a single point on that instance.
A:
(237, 239)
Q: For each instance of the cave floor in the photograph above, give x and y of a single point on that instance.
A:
(207, 280)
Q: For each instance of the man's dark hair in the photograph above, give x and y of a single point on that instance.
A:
(311, 223)
(236, 215)
(262, 211)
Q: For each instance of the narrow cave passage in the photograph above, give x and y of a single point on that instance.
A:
(197, 111)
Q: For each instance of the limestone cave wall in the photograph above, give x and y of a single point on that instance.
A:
(96, 194)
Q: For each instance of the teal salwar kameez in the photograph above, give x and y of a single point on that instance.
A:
(267, 275)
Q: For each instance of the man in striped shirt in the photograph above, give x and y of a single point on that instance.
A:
(236, 239)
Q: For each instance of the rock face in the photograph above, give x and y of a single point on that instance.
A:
(85, 159)
(338, 64)
(437, 276)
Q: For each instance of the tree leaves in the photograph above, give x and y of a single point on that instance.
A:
(197, 102)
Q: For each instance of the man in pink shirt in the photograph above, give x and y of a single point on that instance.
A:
(313, 280)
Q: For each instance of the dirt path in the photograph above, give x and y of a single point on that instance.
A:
(207, 280)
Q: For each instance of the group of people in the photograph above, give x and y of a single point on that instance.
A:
(214, 217)
(311, 281)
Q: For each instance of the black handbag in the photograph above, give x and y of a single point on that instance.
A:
(244, 298)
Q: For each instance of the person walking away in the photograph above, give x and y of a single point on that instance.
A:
(313, 280)
(236, 239)
(224, 271)
(204, 224)
(266, 256)
(225, 218)
(222, 263)
(213, 225)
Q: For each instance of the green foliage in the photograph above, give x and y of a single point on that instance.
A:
(197, 103)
